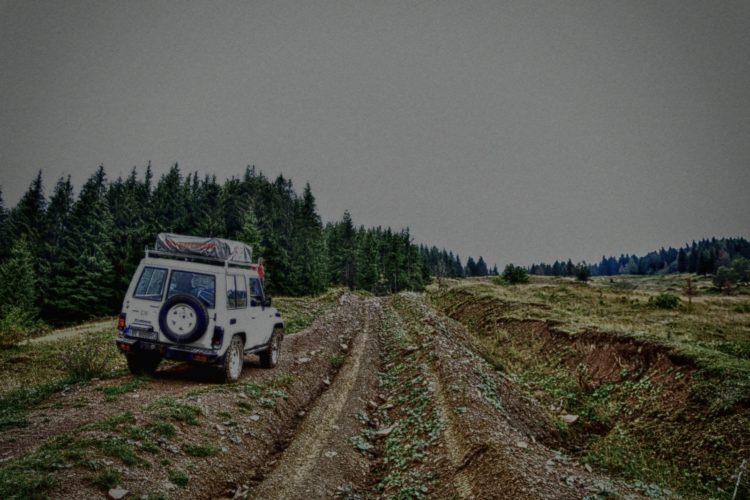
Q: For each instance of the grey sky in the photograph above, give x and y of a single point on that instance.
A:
(521, 131)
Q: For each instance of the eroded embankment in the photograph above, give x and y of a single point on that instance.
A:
(457, 428)
(634, 407)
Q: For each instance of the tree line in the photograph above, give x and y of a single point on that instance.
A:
(67, 258)
(707, 256)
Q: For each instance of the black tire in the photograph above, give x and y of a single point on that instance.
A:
(234, 360)
(143, 363)
(270, 357)
(183, 318)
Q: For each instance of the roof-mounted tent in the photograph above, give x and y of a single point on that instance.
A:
(213, 250)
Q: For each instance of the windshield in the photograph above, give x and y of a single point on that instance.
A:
(202, 286)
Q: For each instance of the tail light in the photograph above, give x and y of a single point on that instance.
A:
(121, 322)
(218, 337)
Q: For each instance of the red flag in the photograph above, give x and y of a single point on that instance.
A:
(261, 271)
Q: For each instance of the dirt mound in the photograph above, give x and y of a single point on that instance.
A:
(499, 437)
(633, 405)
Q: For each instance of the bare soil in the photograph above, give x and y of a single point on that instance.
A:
(378, 398)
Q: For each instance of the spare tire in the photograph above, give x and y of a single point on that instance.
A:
(183, 318)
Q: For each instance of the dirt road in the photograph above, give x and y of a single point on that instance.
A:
(378, 398)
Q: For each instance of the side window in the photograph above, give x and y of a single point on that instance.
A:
(256, 290)
(199, 285)
(241, 298)
(151, 284)
(236, 292)
(231, 292)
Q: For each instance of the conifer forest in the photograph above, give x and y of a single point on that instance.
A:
(66, 257)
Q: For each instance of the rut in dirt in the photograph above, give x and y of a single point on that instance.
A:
(321, 462)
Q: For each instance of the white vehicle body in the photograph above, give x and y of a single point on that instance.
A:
(193, 308)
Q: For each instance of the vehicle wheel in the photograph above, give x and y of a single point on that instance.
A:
(270, 357)
(143, 363)
(233, 360)
(183, 318)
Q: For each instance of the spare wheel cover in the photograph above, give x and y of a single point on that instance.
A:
(183, 318)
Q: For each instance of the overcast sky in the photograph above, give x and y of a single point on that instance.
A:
(521, 131)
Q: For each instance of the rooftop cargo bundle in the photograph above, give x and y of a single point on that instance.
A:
(213, 248)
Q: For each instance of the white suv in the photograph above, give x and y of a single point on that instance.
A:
(199, 300)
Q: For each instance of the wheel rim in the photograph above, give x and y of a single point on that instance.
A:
(275, 350)
(235, 361)
(181, 318)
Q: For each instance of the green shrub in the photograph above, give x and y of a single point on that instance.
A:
(15, 325)
(665, 301)
(84, 360)
(515, 274)
(107, 479)
(179, 477)
(197, 450)
(337, 360)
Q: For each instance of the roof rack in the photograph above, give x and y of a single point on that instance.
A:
(199, 258)
(207, 249)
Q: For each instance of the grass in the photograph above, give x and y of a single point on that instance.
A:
(31, 372)
(132, 442)
(179, 411)
(107, 479)
(630, 426)
(337, 360)
(200, 450)
(15, 404)
(178, 477)
(300, 312)
(113, 392)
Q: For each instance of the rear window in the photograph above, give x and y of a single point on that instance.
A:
(202, 286)
(151, 284)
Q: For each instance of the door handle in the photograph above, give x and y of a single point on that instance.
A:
(233, 321)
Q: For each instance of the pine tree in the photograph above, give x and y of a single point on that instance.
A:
(368, 272)
(482, 267)
(57, 225)
(234, 206)
(4, 229)
(18, 280)
(682, 261)
(471, 267)
(84, 283)
(27, 220)
(308, 269)
(210, 221)
(169, 210)
(250, 234)
(346, 251)
(128, 203)
(18, 293)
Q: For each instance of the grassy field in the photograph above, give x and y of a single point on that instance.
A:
(662, 395)
(31, 372)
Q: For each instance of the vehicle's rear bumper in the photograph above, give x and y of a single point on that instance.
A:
(177, 353)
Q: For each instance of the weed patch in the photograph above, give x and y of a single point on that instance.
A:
(107, 479)
(179, 477)
(14, 405)
(200, 450)
(112, 393)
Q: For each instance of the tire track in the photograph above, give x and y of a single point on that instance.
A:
(296, 475)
